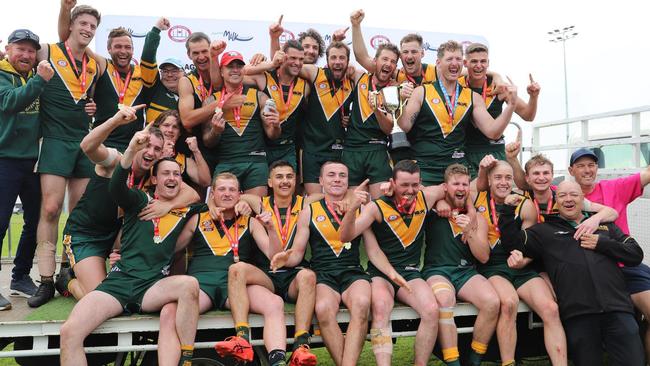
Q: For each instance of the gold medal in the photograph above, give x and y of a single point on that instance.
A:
(347, 245)
(157, 239)
(120, 106)
(236, 258)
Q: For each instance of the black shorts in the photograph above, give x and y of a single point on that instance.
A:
(637, 278)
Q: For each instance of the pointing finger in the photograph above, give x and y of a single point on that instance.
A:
(364, 184)
(280, 20)
(510, 81)
(345, 30)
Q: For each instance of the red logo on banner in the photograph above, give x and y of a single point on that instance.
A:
(378, 40)
(179, 33)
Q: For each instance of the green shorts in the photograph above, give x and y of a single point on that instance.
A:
(128, 290)
(215, 285)
(287, 154)
(249, 174)
(516, 276)
(374, 165)
(458, 276)
(282, 279)
(310, 165)
(433, 173)
(474, 157)
(64, 158)
(79, 247)
(409, 273)
(339, 280)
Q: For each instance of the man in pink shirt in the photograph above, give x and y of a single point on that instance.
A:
(617, 193)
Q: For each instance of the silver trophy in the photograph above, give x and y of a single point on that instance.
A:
(392, 104)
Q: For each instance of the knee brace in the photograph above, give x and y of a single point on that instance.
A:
(446, 316)
(45, 253)
(441, 286)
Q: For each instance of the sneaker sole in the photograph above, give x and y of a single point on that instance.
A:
(6, 307)
(16, 293)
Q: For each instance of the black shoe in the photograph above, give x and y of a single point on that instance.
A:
(62, 280)
(44, 294)
(23, 286)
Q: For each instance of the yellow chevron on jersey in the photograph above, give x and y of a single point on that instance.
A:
(429, 75)
(200, 91)
(482, 205)
(220, 244)
(293, 218)
(326, 229)
(61, 64)
(275, 89)
(457, 230)
(247, 111)
(436, 104)
(331, 104)
(169, 222)
(181, 159)
(363, 90)
(488, 98)
(406, 233)
(135, 85)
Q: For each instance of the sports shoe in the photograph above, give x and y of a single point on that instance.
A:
(44, 294)
(4, 303)
(302, 356)
(235, 347)
(62, 280)
(23, 286)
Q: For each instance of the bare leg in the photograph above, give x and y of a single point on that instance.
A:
(303, 291)
(53, 188)
(240, 275)
(422, 301)
(327, 306)
(76, 189)
(538, 296)
(271, 306)
(89, 273)
(506, 325)
(357, 299)
(445, 296)
(381, 306)
(481, 294)
(87, 315)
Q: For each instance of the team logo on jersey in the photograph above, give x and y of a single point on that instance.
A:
(364, 86)
(392, 217)
(207, 225)
(62, 63)
(274, 87)
(435, 100)
(481, 209)
(322, 85)
(378, 40)
(320, 218)
(67, 239)
(179, 33)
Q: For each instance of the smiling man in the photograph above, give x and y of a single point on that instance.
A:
(596, 310)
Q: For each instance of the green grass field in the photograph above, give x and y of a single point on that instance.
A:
(16, 227)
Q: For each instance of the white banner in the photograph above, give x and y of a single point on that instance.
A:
(250, 37)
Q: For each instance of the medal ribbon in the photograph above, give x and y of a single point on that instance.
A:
(549, 206)
(156, 225)
(234, 242)
(121, 88)
(450, 103)
(224, 98)
(493, 214)
(203, 91)
(284, 228)
(84, 64)
(333, 213)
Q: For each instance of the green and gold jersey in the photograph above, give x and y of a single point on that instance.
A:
(289, 100)
(400, 234)
(211, 250)
(328, 252)
(543, 208)
(444, 246)
(286, 230)
(328, 102)
(434, 136)
(202, 90)
(64, 98)
(161, 99)
(364, 133)
(243, 139)
(484, 206)
(428, 75)
(96, 212)
(475, 139)
(145, 255)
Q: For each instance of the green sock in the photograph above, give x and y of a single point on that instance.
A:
(474, 358)
(187, 352)
(244, 331)
(455, 362)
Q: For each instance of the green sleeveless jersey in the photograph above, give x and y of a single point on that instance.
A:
(202, 90)
(142, 257)
(64, 98)
(475, 139)
(329, 99)
(243, 140)
(290, 102)
(96, 211)
(428, 75)
(400, 235)
(483, 205)
(444, 246)
(434, 136)
(364, 133)
(211, 249)
(328, 252)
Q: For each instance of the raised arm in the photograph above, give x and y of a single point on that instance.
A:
(92, 145)
(197, 168)
(275, 31)
(118, 185)
(308, 72)
(493, 128)
(358, 46)
(411, 109)
(527, 111)
(63, 25)
(148, 62)
(190, 116)
(512, 157)
(16, 100)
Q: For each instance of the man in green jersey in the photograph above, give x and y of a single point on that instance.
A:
(437, 115)
(138, 282)
(398, 224)
(64, 123)
(163, 94)
(20, 88)
(453, 245)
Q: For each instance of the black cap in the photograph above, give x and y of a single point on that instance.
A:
(581, 152)
(24, 35)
